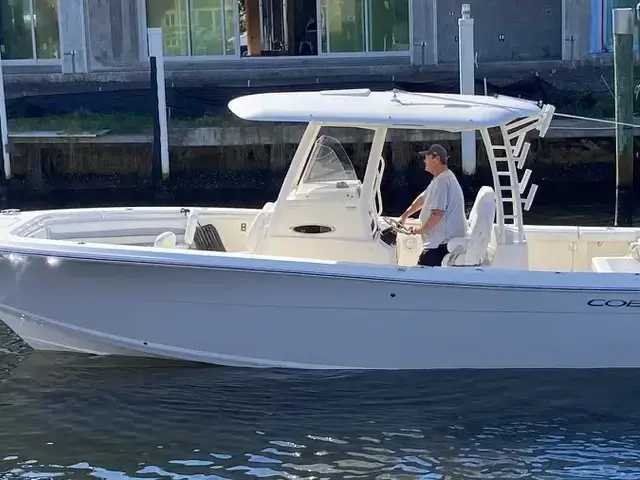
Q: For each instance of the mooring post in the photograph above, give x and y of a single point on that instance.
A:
(4, 128)
(623, 65)
(638, 31)
(466, 58)
(5, 166)
(160, 131)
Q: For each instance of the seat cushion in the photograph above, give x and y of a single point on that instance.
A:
(615, 265)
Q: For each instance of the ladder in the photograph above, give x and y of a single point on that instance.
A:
(507, 154)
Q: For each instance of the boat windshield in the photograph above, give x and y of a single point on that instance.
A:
(328, 162)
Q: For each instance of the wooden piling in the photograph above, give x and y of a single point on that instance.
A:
(623, 64)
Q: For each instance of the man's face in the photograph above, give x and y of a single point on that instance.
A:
(430, 162)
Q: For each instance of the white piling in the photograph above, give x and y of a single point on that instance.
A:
(466, 57)
(156, 50)
(4, 128)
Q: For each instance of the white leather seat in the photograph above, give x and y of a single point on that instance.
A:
(165, 240)
(472, 249)
(258, 229)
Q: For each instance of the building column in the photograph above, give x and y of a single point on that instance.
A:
(73, 41)
(252, 21)
(113, 34)
(577, 24)
(424, 41)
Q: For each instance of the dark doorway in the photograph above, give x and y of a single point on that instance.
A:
(279, 27)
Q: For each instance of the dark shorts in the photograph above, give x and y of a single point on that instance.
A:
(432, 257)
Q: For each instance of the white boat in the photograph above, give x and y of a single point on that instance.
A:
(319, 278)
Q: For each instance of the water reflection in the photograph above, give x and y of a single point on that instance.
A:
(72, 416)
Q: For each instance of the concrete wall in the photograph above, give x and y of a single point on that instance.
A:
(424, 30)
(113, 34)
(504, 29)
(576, 43)
(72, 36)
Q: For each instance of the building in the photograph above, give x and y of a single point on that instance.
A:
(94, 36)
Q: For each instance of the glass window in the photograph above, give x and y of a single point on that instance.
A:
(388, 25)
(47, 29)
(229, 25)
(207, 27)
(346, 25)
(16, 29)
(24, 21)
(328, 162)
(171, 16)
(324, 19)
(343, 25)
(194, 27)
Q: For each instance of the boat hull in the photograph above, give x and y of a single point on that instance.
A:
(261, 318)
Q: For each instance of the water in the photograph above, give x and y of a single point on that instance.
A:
(72, 416)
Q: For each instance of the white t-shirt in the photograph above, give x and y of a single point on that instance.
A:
(444, 193)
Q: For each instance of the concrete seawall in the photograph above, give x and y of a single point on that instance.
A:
(252, 133)
(254, 157)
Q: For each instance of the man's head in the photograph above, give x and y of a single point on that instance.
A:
(436, 159)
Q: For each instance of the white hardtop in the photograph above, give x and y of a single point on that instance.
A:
(399, 109)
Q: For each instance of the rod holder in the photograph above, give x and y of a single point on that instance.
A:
(522, 186)
(532, 194)
(522, 156)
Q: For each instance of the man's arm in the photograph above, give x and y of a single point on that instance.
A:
(432, 221)
(413, 208)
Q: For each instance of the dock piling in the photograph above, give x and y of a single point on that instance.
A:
(624, 24)
(4, 129)
(466, 59)
(5, 165)
(160, 131)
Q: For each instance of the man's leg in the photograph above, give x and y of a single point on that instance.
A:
(432, 257)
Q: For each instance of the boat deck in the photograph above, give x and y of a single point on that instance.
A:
(9, 219)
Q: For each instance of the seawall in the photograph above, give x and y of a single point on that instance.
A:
(576, 158)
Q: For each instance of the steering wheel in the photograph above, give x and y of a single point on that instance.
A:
(396, 226)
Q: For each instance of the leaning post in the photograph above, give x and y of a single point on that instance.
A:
(623, 63)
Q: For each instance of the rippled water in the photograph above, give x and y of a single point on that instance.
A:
(72, 416)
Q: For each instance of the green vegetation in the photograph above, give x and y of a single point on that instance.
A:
(120, 123)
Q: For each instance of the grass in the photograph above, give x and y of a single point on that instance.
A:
(119, 123)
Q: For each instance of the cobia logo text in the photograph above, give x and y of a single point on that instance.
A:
(614, 303)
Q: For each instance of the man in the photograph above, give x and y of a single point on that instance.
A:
(442, 214)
